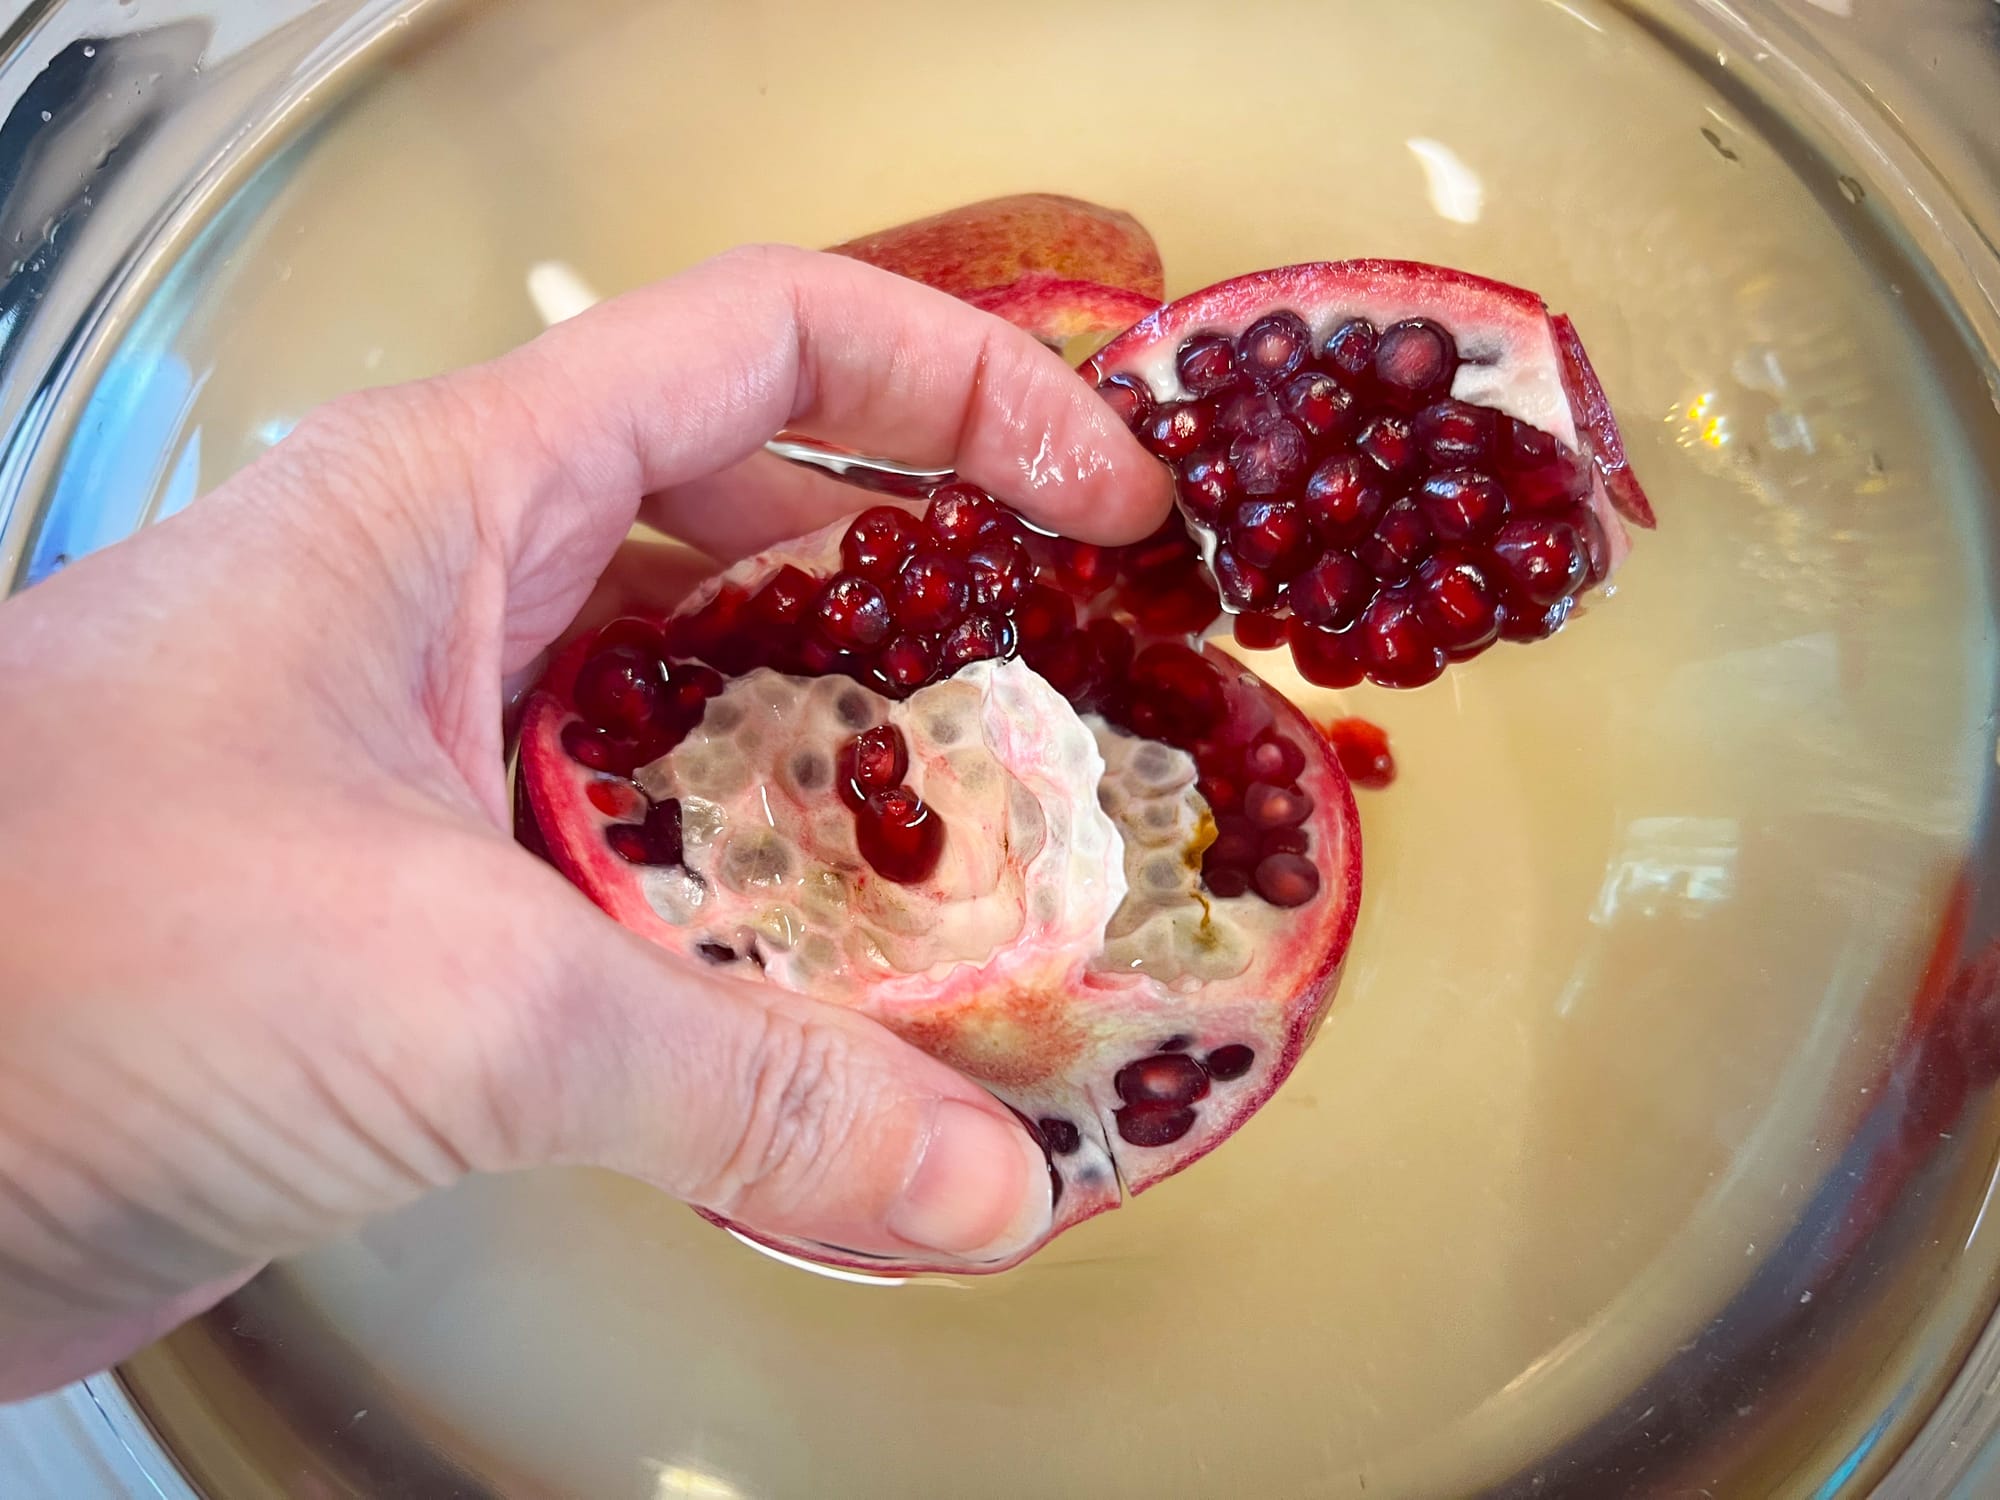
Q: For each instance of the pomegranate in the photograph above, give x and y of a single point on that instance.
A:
(992, 789)
(1059, 267)
(1389, 466)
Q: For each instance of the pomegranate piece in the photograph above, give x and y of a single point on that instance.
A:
(1059, 267)
(1419, 462)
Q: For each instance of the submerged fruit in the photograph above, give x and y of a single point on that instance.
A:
(1396, 463)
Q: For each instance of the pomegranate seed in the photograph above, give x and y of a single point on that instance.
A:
(906, 664)
(1527, 622)
(978, 638)
(1456, 435)
(1068, 666)
(1169, 550)
(932, 593)
(1273, 758)
(1111, 644)
(628, 630)
(1060, 1136)
(1219, 792)
(1271, 349)
(1244, 409)
(1183, 604)
(1225, 1064)
(879, 542)
(1268, 806)
(1177, 430)
(1181, 688)
(899, 836)
(1525, 449)
(1401, 540)
(1236, 843)
(1243, 583)
(875, 760)
(960, 515)
(1043, 615)
(663, 831)
(1163, 1078)
(1596, 548)
(853, 613)
(1270, 456)
(1084, 569)
(1390, 443)
(615, 799)
(1457, 604)
(1208, 486)
(1462, 506)
(1415, 361)
(628, 842)
(1363, 751)
(1226, 882)
(598, 751)
(1127, 396)
(1342, 499)
(1206, 363)
(1321, 405)
(1395, 647)
(1325, 658)
(1331, 592)
(1153, 1124)
(1351, 349)
(1260, 632)
(1271, 534)
(1284, 841)
(1001, 573)
(1286, 879)
(1539, 560)
(622, 690)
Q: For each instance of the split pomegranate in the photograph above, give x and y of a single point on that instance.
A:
(1389, 466)
(993, 789)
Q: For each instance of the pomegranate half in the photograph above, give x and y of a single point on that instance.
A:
(992, 789)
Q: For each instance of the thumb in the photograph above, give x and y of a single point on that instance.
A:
(779, 1113)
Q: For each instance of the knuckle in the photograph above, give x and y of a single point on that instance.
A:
(800, 1103)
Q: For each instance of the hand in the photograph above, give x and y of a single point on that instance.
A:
(272, 962)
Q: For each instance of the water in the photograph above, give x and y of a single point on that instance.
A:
(1644, 906)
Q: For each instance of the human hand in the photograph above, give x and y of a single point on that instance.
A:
(273, 964)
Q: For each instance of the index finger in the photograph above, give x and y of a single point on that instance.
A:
(657, 390)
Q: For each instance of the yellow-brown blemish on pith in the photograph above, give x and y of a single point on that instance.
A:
(1013, 1037)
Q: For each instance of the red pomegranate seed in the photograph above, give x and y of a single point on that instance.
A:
(1526, 622)
(1153, 1124)
(1270, 456)
(628, 842)
(1286, 879)
(1271, 534)
(1226, 1064)
(1321, 405)
(1180, 604)
(1243, 583)
(1363, 750)
(978, 638)
(1043, 615)
(663, 830)
(1127, 396)
(1525, 449)
(1285, 841)
(1237, 842)
(1273, 758)
(1539, 560)
(1206, 363)
(1342, 500)
(1415, 361)
(1462, 506)
(1390, 443)
(1401, 540)
(1457, 603)
(597, 750)
(1162, 1078)
(1260, 632)
(1351, 350)
(901, 838)
(932, 593)
(1001, 573)
(628, 630)
(622, 690)
(875, 760)
(1238, 413)
(1395, 647)
(1209, 485)
(1220, 792)
(1177, 430)
(1324, 657)
(1084, 569)
(1271, 349)
(615, 799)
(1596, 549)
(960, 515)
(1455, 435)
(1111, 645)
(1331, 592)
(1060, 1136)
(1181, 689)
(1268, 806)
(1226, 882)
(854, 614)
(878, 542)
(906, 664)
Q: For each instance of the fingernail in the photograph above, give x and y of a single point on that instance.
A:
(981, 1189)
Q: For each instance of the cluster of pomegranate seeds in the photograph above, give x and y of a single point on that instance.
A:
(1158, 1092)
(1260, 810)
(635, 704)
(901, 838)
(1361, 515)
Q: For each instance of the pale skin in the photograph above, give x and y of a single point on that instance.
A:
(272, 962)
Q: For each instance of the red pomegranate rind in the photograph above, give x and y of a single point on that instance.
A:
(1410, 462)
(1058, 267)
